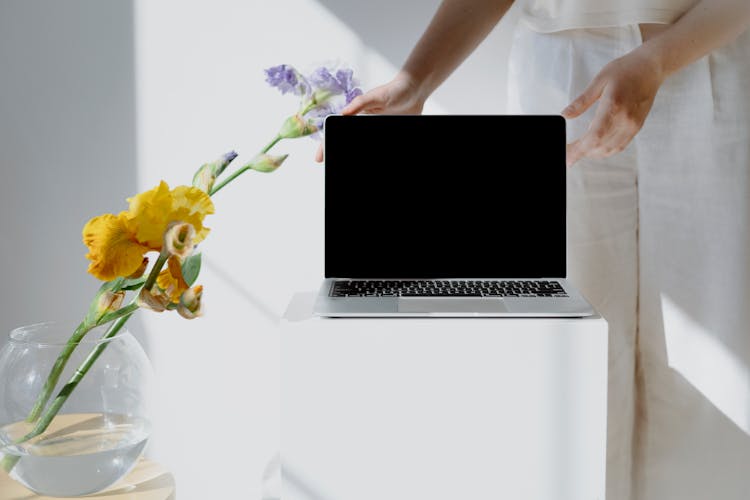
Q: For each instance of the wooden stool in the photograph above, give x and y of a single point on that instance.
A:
(147, 481)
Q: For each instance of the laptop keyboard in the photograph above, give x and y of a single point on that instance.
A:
(447, 288)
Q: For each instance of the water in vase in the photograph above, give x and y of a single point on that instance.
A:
(78, 454)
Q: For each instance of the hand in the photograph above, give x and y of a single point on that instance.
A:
(397, 97)
(625, 89)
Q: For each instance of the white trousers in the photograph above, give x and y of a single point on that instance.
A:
(659, 241)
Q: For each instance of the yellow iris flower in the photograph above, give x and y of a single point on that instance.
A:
(117, 243)
(171, 281)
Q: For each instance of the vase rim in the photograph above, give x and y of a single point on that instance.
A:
(43, 334)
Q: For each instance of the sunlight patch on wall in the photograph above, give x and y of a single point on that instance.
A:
(707, 364)
(200, 92)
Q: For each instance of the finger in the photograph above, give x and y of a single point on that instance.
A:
(360, 103)
(616, 136)
(319, 154)
(584, 101)
(573, 153)
(595, 139)
(619, 141)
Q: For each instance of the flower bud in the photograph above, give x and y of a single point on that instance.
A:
(109, 302)
(190, 305)
(154, 299)
(179, 239)
(142, 269)
(267, 163)
(206, 175)
(297, 126)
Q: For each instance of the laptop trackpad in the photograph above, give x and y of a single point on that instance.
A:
(450, 305)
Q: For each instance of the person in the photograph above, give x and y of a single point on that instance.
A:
(657, 97)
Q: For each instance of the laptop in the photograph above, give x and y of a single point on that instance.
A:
(445, 215)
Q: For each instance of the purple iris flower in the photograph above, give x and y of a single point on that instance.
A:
(339, 83)
(342, 82)
(345, 77)
(324, 92)
(287, 79)
(322, 79)
(318, 114)
(351, 94)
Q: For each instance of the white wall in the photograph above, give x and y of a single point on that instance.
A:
(201, 92)
(99, 100)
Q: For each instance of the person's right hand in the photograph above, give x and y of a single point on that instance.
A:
(400, 96)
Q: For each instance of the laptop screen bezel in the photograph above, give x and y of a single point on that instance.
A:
(554, 123)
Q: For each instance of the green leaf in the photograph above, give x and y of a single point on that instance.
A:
(112, 286)
(191, 268)
(111, 316)
(133, 284)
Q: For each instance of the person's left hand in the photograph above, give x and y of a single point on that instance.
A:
(625, 89)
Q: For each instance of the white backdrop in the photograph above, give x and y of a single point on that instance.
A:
(99, 100)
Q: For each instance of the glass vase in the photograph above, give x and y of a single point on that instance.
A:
(102, 428)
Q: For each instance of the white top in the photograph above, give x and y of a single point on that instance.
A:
(557, 15)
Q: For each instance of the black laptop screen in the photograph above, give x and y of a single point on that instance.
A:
(445, 197)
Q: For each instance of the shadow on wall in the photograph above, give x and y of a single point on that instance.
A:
(392, 28)
(67, 147)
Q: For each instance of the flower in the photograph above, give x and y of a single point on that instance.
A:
(170, 280)
(318, 115)
(142, 269)
(321, 96)
(351, 94)
(340, 83)
(166, 292)
(171, 222)
(190, 305)
(152, 211)
(287, 79)
(117, 243)
(113, 249)
(154, 299)
(179, 239)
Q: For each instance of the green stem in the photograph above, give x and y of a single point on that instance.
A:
(119, 317)
(270, 145)
(76, 338)
(229, 179)
(62, 359)
(244, 168)
(9, 461)
(118, 314)
(163, 256)
(56, 371)
(308, 108)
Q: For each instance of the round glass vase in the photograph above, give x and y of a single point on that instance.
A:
(101, 429)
